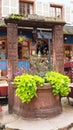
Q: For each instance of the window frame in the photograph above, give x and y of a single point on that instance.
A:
(25, 8)
(57, 10)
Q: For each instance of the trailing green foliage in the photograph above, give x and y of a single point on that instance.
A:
(17, 16)
(39, 80)
(59, 82)
(27, 86)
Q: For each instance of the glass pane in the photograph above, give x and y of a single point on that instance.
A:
(58, 12)
(52, 12)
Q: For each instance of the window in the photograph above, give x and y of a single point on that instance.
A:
(42, 48)
(3, 50)
(67, 52)
(25, 8)
(52, 12)
(56, 10)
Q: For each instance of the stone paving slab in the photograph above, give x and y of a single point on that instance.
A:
(63, 121)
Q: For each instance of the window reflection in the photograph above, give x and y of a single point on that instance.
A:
(42, 48)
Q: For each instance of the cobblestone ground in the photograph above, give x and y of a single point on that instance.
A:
(62, 122)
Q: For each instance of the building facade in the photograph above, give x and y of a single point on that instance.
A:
(8, 6)
(42, 7)
(37, 7)
(48, 8)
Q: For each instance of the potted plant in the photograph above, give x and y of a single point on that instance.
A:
(27, 85)
(39, 96)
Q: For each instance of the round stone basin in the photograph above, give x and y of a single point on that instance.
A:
(43, 106)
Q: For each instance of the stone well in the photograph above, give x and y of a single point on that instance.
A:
(43, 106)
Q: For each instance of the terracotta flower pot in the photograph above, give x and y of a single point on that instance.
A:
(42, 106)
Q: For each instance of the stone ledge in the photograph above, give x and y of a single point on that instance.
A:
(2, 127)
